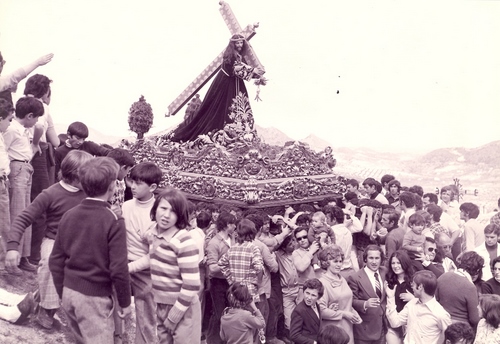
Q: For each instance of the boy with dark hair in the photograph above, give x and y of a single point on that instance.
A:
(394, 188)
(407, 203)
(6, 116)
(89, 258)
(306, 317)
(144, 180)
(386, 178)
(459, 333)
(216, 248)
(473, 229)
(76, 136)
(372, 188)
(20, 152)
(125, 160)
(352, 185)
(50, 205)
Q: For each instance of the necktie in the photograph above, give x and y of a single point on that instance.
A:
(378, 290)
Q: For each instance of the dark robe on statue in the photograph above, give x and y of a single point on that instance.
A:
(213, 113)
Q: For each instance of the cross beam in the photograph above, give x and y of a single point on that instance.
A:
(215, 65)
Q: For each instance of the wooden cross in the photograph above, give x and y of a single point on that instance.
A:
(214, 66)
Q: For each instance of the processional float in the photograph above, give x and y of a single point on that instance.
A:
(233, 165)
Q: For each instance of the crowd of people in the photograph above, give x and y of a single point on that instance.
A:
(381, 263)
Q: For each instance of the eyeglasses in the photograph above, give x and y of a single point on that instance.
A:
(431, 249)
(301, 238)
(347, 216)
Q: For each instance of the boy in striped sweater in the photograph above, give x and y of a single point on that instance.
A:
(174, 271)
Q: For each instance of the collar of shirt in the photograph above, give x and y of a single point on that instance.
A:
(465, 274)
(227, 241)
(433, 305)
(371, 273)
(15, 124)
(69, 187)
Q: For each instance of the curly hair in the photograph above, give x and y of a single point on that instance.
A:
(329, 253)
(472, 263)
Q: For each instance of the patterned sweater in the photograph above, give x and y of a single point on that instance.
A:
(174, 272)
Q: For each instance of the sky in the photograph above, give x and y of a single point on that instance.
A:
(394, 76)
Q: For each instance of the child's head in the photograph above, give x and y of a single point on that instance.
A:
(489, 309)
(203, 220)
(71, 165)
(313, 290)
(28, 109)
(38, 86)
(238, 295)
(147, 172)
(6, 114)
(77, 133)
(427, 217)
(331, 334)
(122, 158)
(459, 333)
(245, 231)
(178, 204)
(318, 219)
(98, 176)
(417, 223)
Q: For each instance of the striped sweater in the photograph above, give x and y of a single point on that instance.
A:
(174, 272)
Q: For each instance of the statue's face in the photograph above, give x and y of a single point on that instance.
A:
(238, 45)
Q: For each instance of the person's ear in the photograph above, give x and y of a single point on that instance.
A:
(29, 115)
(153, 187)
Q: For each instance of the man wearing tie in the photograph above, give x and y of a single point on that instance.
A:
(369, 299)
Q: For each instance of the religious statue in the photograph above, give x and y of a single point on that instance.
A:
(214, 111)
